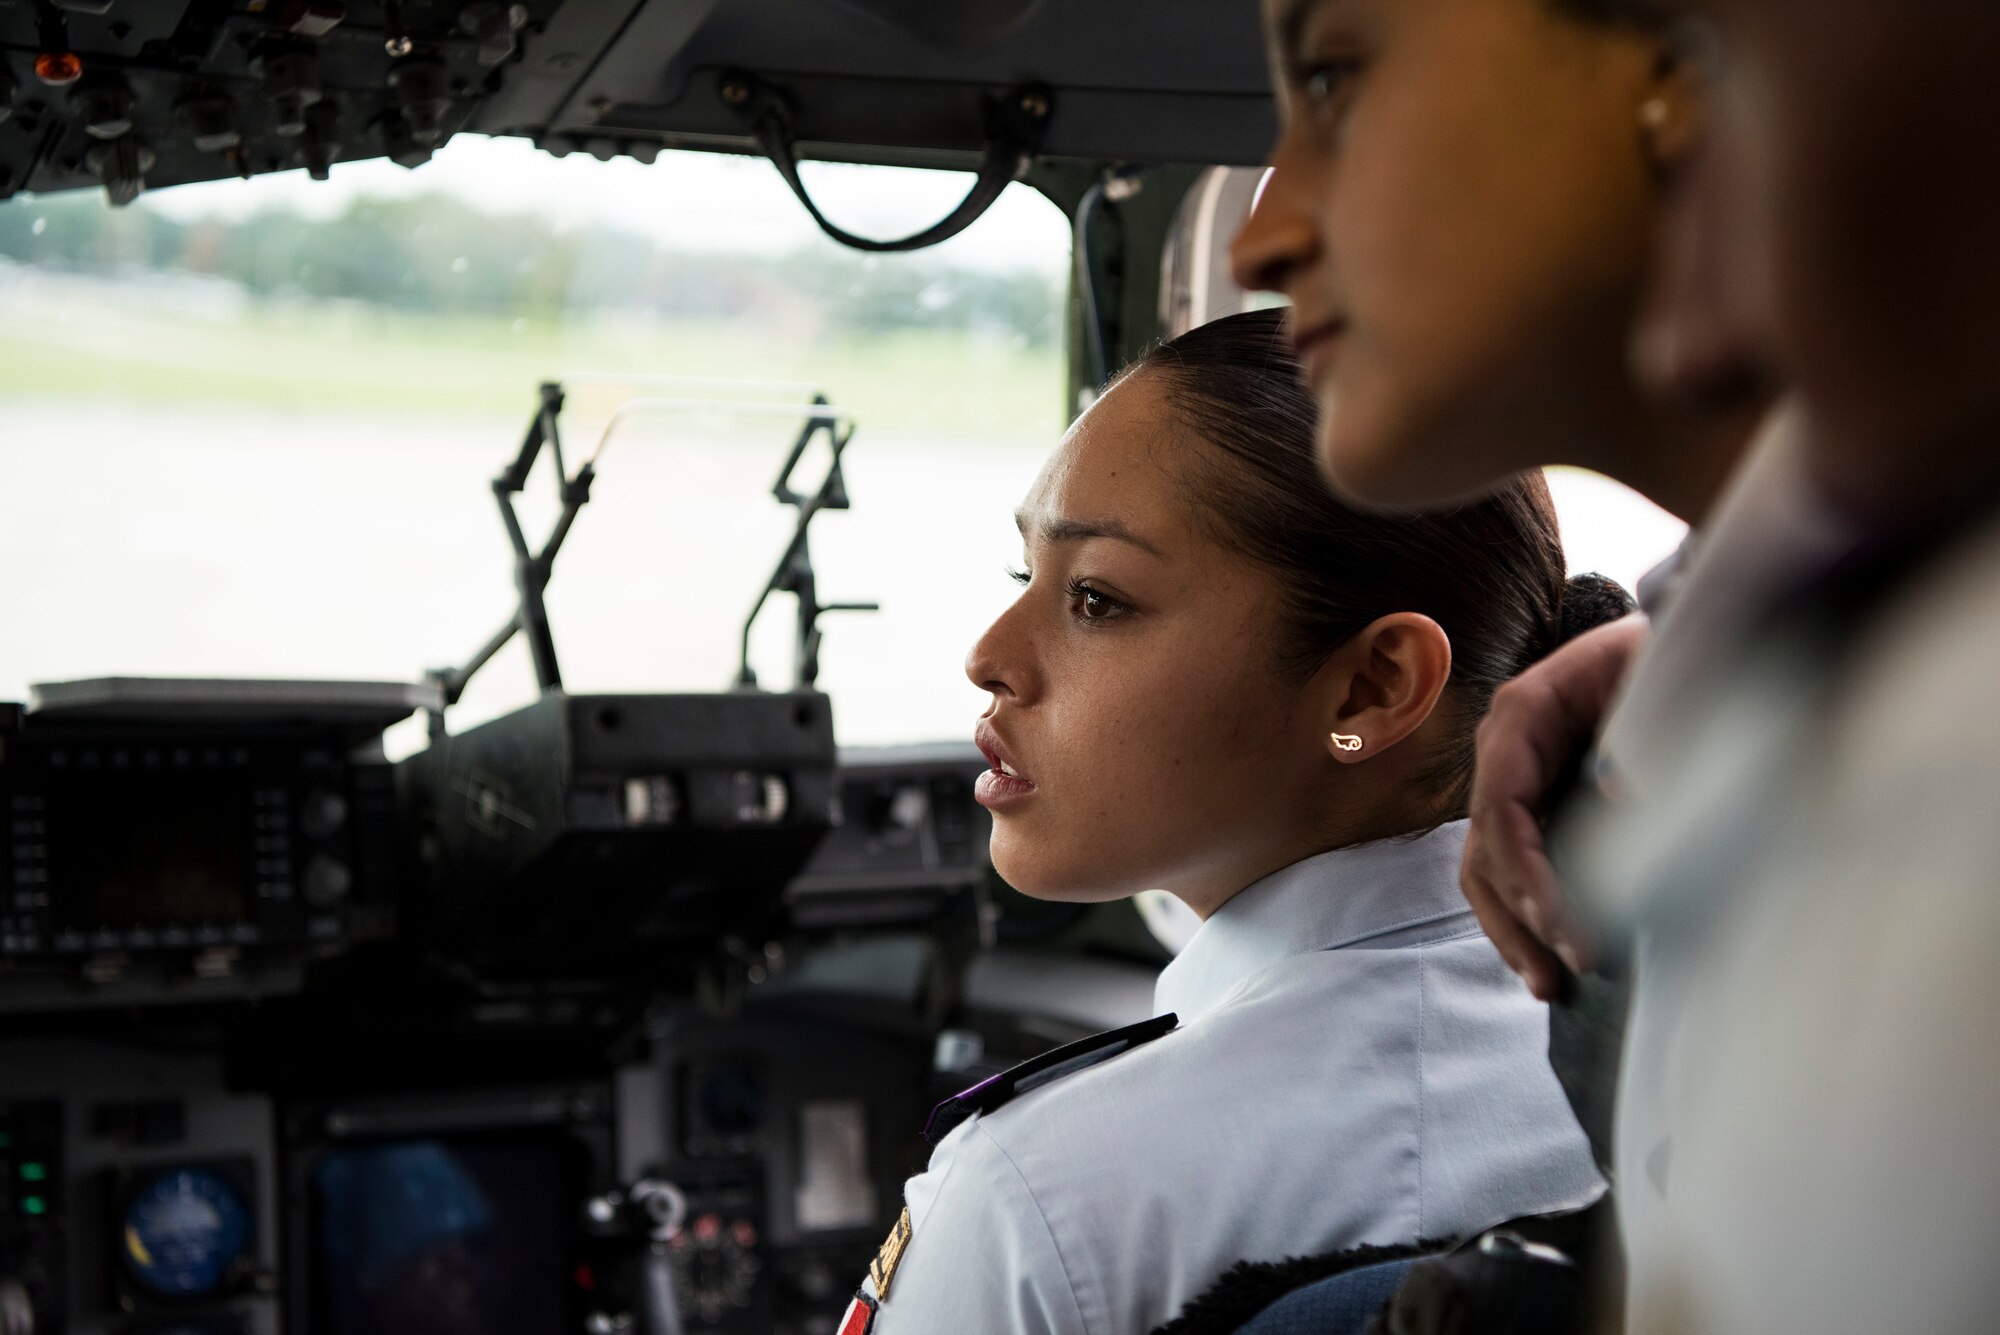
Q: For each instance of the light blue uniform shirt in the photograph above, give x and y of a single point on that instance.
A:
(1354, 1064)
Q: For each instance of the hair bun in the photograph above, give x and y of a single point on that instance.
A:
(1591, 600)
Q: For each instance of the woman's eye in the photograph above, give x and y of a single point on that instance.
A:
(1020, 577)
(1326, 84)
(1092, 605)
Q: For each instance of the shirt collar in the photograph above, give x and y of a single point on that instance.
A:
(1342, 898)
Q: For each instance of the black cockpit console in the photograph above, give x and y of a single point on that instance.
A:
(601, 834)
(196, 836)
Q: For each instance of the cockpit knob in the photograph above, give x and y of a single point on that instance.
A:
(322, 814)
(398, 146)
(105, 108)
(494, 26)
(326, 882)
(321, 147)
(210, 120)
(291, 82)
(423, 97)
(122, 165)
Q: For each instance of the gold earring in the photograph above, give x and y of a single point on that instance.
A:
(1345, 742)
(1654, 114)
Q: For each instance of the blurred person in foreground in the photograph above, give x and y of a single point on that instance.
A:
(1463, 210)
(1806, 1139)
(1804, 761)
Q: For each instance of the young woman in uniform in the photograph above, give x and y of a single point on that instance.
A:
(1220, 682)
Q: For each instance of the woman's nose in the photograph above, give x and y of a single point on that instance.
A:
(1000, 660)
(1280, 238)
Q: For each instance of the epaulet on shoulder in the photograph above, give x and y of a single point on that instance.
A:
(993, 1091)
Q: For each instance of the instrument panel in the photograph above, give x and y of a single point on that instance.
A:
(380, 1146)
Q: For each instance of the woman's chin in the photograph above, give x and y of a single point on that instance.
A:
(1030, 876)
(1361, 456)
(1038, 877)
(1378, 462)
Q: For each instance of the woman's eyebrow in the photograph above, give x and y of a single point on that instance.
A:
(1076, 530)
(1291, 24)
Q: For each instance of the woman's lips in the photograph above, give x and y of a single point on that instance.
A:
(994, 790)
(1003, 782)
(1313, 344)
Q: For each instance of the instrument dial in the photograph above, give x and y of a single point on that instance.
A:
(184, 1231)
(715, 1260)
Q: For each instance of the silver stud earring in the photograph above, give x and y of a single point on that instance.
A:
(1345, 742)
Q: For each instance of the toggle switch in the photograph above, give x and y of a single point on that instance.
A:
(122, 165)
(105, 108)
(422, 96)
(320, 148)
(210, 119)
(291, 82)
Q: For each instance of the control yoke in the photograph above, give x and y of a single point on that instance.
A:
(794, 573)
(531, 568)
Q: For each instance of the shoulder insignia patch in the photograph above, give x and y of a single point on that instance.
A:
(883, 1268)
(993, 1091)
(859, 1318)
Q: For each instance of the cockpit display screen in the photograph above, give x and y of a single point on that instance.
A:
(146, 851)
(444, 1236)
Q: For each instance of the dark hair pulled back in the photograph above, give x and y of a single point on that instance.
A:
(1490, 572)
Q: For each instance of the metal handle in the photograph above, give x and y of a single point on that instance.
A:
(1015, 126)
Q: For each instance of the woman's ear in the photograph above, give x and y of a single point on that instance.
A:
(1382, 684)
(1673, 117)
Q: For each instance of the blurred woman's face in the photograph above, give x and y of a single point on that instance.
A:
(1856, 187)
(1141, 734)
(1460, 212)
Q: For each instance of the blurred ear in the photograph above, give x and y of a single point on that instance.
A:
(1381, 685)
(1674, 116)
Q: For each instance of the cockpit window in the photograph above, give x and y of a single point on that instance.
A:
(251, 424)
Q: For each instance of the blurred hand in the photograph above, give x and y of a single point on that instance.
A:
(1538, 725)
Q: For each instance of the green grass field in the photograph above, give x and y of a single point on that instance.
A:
(347, 359)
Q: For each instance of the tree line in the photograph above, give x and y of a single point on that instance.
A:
(439, 255)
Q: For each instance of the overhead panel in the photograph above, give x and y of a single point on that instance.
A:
(137, 94)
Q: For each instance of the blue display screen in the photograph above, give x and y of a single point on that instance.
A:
(184, 1230)
(442, 1236)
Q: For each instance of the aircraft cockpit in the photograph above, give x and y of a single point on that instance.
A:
(496, 497)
